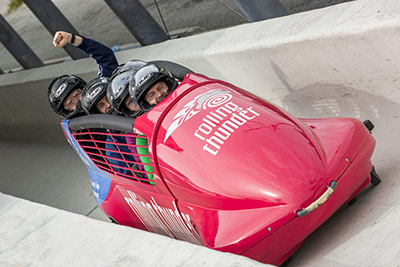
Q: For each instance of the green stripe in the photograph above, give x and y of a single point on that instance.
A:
(142, 141)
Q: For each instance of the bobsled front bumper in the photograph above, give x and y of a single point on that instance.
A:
(278, 246)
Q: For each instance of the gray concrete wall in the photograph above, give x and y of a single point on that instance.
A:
(94, 19)
(46, 236)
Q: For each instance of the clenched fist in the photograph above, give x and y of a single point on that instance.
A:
(62, 38)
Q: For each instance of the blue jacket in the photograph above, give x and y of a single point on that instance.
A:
(119, 158)
(103, 55)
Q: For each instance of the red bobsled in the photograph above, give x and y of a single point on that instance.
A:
(225, 169)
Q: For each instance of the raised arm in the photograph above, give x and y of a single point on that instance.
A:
(103, 55)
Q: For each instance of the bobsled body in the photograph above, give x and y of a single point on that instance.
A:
(230, 171)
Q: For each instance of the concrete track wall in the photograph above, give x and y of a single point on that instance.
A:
(50, 237)
(337, 61)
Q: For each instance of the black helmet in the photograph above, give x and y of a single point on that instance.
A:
(95, 90)
(144, 79)
(58, 91)
(117, 91)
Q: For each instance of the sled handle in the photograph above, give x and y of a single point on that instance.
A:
(103, 121)
(324, 197)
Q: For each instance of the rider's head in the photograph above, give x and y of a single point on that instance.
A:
(150, 85)
(117, 92)
(94, 99)
(64, 94)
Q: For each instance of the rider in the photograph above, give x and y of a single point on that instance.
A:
(64, 92)
(94, 101)
(118, 95)
(150, 85)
